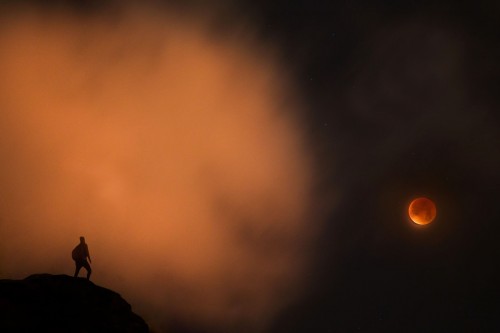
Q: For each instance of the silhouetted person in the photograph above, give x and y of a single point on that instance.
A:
(80, 254)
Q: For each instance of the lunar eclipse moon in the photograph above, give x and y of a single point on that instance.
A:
(422, 211)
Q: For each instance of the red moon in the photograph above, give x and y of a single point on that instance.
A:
(422, 211)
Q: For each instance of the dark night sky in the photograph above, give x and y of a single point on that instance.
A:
(402, 101)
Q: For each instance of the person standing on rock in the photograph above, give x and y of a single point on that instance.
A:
(80, 254)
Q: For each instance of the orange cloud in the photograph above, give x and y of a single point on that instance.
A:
(177, 154)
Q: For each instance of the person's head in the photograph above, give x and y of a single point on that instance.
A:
(82, 239)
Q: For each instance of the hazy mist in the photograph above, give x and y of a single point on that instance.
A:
(176, 152)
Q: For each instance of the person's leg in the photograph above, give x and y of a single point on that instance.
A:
(88, 268)
(77, 268)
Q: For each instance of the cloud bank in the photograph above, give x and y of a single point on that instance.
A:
(176, 152)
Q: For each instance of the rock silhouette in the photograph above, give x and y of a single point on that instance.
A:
(60, 303)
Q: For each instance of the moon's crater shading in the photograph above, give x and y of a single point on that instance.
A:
(422, 211)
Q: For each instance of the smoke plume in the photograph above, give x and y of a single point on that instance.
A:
(175, 151)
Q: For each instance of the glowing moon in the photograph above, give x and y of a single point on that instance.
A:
(422, 211)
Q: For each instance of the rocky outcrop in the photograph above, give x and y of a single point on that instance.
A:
(60, 303)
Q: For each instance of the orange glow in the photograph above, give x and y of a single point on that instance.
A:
(422, 211)
(178, 155)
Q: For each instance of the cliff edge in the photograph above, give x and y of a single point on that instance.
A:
(60, 303)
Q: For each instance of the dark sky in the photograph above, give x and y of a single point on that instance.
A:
(402, 101)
